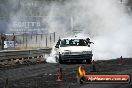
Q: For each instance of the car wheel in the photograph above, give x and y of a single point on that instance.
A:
(60, 60)
(88, 61)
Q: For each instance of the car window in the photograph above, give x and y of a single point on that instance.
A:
(73, 42)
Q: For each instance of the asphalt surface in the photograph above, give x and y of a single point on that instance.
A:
(45, 75)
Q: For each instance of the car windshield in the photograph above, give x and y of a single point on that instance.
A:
(73, 42)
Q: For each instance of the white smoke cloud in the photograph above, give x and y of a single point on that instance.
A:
(107, 22)
(52, 57)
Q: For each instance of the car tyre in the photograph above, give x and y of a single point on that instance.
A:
(60, 60)
(88, 61)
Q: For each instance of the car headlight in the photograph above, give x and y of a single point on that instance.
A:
(87, 52)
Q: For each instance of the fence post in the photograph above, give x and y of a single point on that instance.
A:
(50, 38)
(41, 36)
(26, 40)
(14, 39)
(54, 36)
(36, 38)
(46, 40)
(23, 39)
(31, 36)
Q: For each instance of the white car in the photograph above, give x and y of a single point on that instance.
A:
(77, 49)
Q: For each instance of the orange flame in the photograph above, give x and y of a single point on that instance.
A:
(81, 71)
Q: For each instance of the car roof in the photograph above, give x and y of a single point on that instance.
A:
(72, 38)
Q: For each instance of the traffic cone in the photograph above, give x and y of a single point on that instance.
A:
(59, 75)
(93, 66)
(7, 83)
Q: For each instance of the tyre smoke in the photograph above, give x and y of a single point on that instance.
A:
(107, 22)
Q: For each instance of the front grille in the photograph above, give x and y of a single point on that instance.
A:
(72, 53)
(75, 53)
(77, 56)
(73, 56)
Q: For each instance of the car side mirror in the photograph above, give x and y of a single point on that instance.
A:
(57, 46)
(92, 42)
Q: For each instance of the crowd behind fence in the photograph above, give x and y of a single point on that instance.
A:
(30, 41)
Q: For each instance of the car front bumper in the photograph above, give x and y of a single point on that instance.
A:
(76, 57)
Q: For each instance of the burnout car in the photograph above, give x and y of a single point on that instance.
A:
(73, 49)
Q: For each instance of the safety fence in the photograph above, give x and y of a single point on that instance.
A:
(30, 41)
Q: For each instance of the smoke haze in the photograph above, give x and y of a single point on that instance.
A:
(107, 22)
